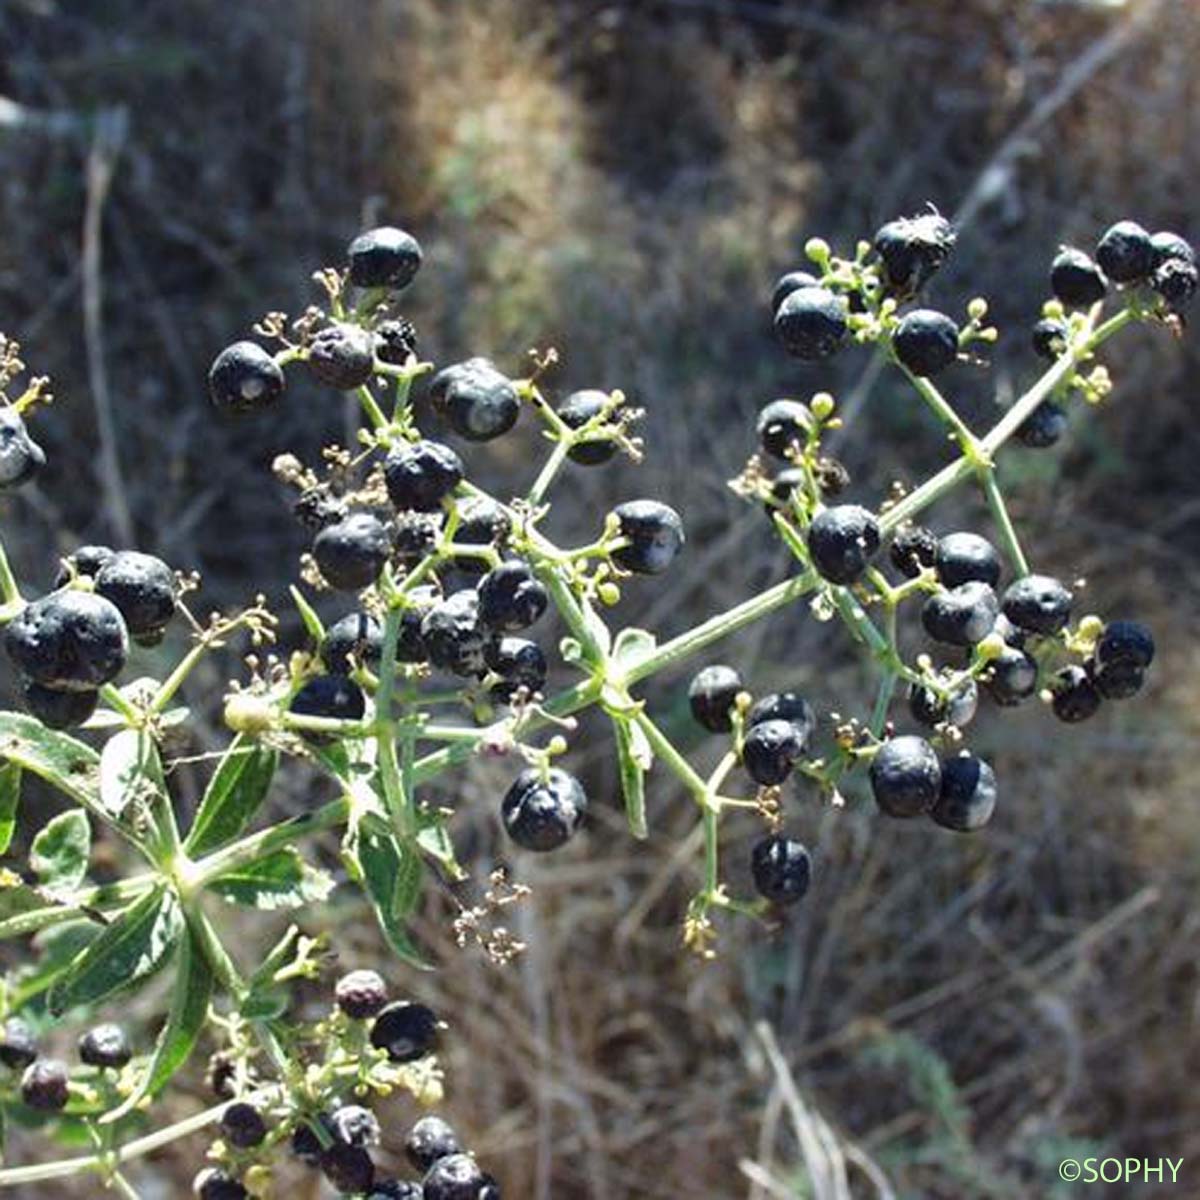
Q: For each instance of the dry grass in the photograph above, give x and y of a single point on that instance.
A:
(623, 181)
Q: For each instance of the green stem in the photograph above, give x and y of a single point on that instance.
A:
(1004, 525)
(398, 802)
(9, 592)
(943, 410)
(549, 470)
(370, 407)
(665, 750)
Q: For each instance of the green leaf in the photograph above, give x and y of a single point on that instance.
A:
(264, 1005)
(234, 794)
(391, 875)
(633, 645)
(185, 1021)
(67, 764)
(308, 615)
(59, 854)
(133, 790)
(434, 839)
(634, 757)
(10, 794)
(130, 771)
(280, 880)
(129, 950)
(17, 897)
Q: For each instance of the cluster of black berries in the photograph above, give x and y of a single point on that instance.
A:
(1129, 256)
(245, 378)
(338, 1139)
(45, 1082)
(74, 640)
(775, 734)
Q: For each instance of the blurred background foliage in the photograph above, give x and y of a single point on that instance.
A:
(623, 181)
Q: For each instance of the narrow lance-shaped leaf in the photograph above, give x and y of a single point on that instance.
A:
(634, 757)
(10, 795)
(390, 873)
(130, 949)
(59, 853)
(185, 1022)
(70, 766)
(234, 794)
(133, 790)
(279, 880)
(308, 615)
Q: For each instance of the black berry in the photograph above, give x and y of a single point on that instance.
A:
(395, 341)
(811, 323)
(214, 1184)
(928, 708)
(543, 813)
(384, 258)
(478, 402)
(44, 1085)
(1118, 680)
(842, 540)
(18, 1046)
(1125, 253)
(1125, 641)
(1049, 338)
(57, 708)
(511, 598)
(1013, 677)
(395, 1189)
(356, 637)
(242, 1125)
(655, 535)
(711, 696)
(21, 458)
(576, 411)
(420, 475)
(481, 522)
(963, 557)
(305, 1144)
(410, 645)
(913, 549)
(455, 1177)
(351, 553)
(1044, 427)
(784, 706)
(415, 537)
(315, 508)
(244, 378)
(348, 1168)
(405, 1030)
(926, 342)
(86, 561)
(961, 616)
(1076, 280)
(1037, 603)
(342, 357)
(770, 750)
(906, 776)
(105, 1046)
(1176, 282)
(354, 1125)
(781, 869)
(793, 281)
(1074, 694)
(142, 587)
(968, 794)
(431, 1138)
(360, 994)
(1167, 247)
(781, 425)
(911, 249)
(332, 696)
(69, 640)
(453, 636)
(520, 664)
